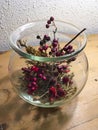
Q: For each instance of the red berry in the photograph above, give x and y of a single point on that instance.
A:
(65, 79)
(54, 40)
(47, 25)
(58, 53)
(53, 49)
(40, 75)
(33, 88)
(65, 66)
(49, 21)
(46, 37)
(58, 85)
(34, 83)
(60, 92)
(69, 47)
(45, 47)
(34, 68)
(67, 70)
(44, 77)
(34, 79)
(51, 18)
(54, 44)
(60, 69)
(40, 49)
(52, 91)
(65, 48)
(62, 53)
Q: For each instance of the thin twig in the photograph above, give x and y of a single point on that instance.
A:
(75, 37)
(55, 29)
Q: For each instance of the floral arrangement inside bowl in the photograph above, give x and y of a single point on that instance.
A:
(48, 83)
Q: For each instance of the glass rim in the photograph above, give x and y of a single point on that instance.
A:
(40, 58)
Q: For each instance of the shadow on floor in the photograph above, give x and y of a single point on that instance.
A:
(18, 114)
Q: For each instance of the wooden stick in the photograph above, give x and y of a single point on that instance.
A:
(75, 37)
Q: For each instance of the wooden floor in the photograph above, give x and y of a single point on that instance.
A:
(80, 114)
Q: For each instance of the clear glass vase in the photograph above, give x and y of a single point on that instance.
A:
(47, 81)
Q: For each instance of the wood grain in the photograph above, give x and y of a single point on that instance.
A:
(80, 114)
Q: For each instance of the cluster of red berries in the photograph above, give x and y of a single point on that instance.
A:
(55, 43)
(68, 49)
(32, 76)
(49, 22)
(55, 46)
(56, 93)
(35, 75)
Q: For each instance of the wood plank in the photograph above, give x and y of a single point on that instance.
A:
(80, 114)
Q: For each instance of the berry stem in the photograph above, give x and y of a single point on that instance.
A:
(55, 29)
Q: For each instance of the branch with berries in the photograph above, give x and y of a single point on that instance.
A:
(52, 50)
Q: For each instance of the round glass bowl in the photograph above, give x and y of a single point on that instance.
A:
(47, 81)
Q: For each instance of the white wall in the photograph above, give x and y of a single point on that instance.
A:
(13, 13)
